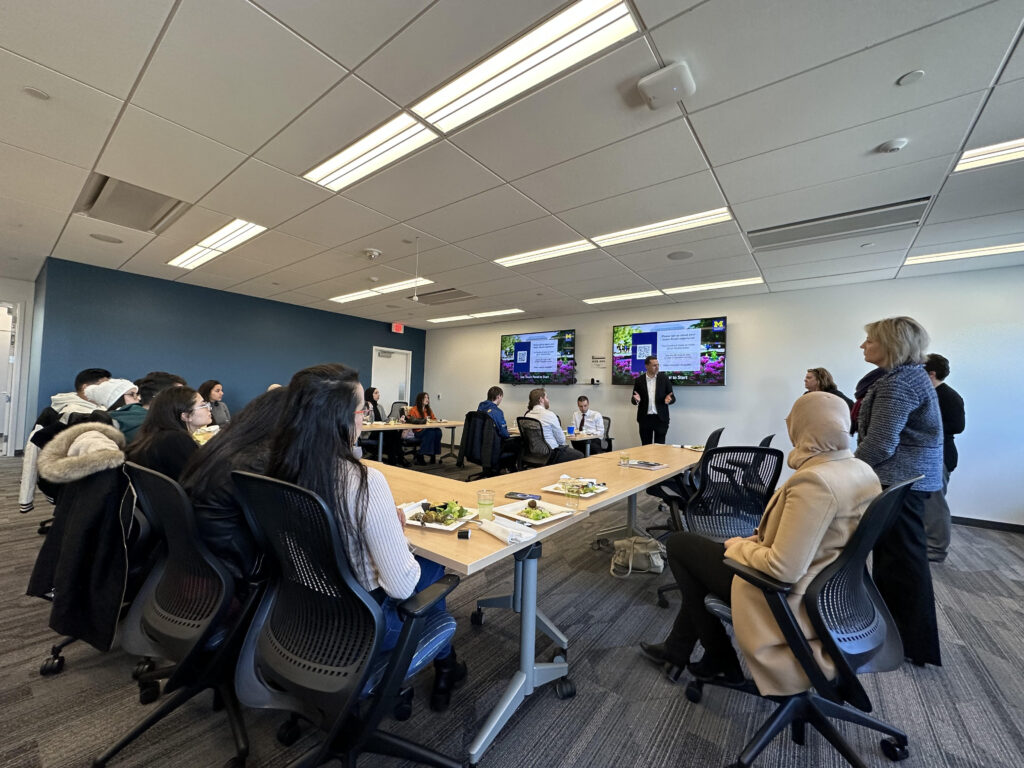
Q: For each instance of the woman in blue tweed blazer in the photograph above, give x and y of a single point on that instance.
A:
(901, 436)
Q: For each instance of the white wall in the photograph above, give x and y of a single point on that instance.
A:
(974, 318)
(20, 292)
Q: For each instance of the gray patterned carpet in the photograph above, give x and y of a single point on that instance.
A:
(969, 714)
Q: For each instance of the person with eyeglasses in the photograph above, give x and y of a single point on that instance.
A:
(165, 443)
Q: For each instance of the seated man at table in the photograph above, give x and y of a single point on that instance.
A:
(540, 410)
(509, 449)
(588, 422)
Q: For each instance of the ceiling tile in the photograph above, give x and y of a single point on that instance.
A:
(662, 153)
(963, 265)
(347, 112)
(16, 265)
(28, 231)
(846, 265)
(322, 266)
(657, 258)
(708, 271)
(444, 259)
(393, 243)
(276, 249)
(152, 260)
(505, 289)
(983, 191)
(897, 240)
(478, 273)
(264, 195)
(869, 276)
(486, 212)
(76, 245)
(436, 176)
(718, 294)
(1012, 238)
(959, 56)
(273, 283)
(159, 155)
(230, 72)
(360, 280)
(967, 229)
(597, 266)
(102, 44)
(290, 297)
(197, 223)
(933, 131)
(207, 280)
(1015, 66)
(38, 179)
(70, 126)
(335, 221)
(733, 46)
(654, 12)
(1003, 117)
(906, 182)
(235, 267)
(529, 236)
(535, 269)
(675, 241)
(588, 109)
(445, 40)
(668, 200)
(346, 30)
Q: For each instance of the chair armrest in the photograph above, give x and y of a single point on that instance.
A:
(758, 578)
(425, 599)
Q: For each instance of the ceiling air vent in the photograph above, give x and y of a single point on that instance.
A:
(446, 296)
(127, 205)
(863, 222)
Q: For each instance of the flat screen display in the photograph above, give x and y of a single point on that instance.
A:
(691, 352)
(548, 357)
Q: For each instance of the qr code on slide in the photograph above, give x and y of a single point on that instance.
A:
(643, 350)
(521, 356)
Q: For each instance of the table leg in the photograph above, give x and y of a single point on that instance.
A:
(451, 447)
(380, 446)
(586, 449)
(629, 528)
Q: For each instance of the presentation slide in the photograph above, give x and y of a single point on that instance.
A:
(542, 358)
(691, 352)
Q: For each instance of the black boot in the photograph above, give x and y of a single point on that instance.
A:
(449, 673)
(433, 459)
(420, 461)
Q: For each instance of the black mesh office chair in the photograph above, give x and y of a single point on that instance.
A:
(534, 451)
(766, 441)
(689, 478)
(853, 624)
(735, 487)
(185, 613)
(312, 648)
(606, 441)
(396, 409)
(680, 487)
(481, 444)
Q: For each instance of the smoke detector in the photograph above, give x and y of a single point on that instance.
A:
(893, 145)
(371, 253)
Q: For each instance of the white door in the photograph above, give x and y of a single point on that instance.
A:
(8, 332)
(392, 375)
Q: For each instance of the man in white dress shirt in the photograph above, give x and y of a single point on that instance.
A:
(652, 395)
(553, 435)
(588, 422)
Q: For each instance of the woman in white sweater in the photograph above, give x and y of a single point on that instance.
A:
(313, 448)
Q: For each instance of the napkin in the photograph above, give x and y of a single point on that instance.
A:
(508, 531)
(412, 506)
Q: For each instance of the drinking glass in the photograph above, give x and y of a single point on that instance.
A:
(485, 504)
(571, 430)
(572, 495)
(623, 459)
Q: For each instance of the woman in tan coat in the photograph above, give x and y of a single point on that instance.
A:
(807, 523)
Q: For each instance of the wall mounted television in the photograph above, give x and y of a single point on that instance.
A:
(691, 352)
(548, 357)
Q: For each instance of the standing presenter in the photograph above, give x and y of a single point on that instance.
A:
(652, 395)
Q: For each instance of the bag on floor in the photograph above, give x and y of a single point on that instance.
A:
(637, 554)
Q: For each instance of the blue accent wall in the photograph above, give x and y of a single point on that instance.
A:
(130, 325)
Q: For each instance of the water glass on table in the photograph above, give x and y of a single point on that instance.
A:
(485, 504)
(572, 495)
(623, 459)
(571, 430)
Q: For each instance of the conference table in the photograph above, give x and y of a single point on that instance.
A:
(481, 550)
(387, 426)
(583, 437)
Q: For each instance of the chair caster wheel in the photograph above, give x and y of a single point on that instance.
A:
(476, 618)
(403, 705)
(694, 692)
(662, 602)
(565, 688)
(52, 666)
(288, 732)
(149, 692)
(893, 750)
(144, 666)
(559, 657)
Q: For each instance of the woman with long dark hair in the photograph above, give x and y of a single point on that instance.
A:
(243, 445)
(313, 448)
(429, 439)
(164, 442)
(213, 393)
(392, 437)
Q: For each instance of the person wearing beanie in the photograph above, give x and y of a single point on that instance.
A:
(121, 399)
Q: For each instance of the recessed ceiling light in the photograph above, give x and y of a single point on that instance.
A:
(910, 77)
(396, 138)
(622, 297)
(991, 155)
(497, 312)
(971, 253)
(220, 242)
(354, 296)
(451, 319)
(106, 238)
(389, 288)
(679, 256)
(36, 93)
(475, 316)
(578, 32)
(715, 286)
(692, 221)
(551, 252)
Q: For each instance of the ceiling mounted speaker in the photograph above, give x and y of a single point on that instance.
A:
(667, 86)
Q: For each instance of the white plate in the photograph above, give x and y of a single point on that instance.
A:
(414, 507)
(515, 509)
(557, 488)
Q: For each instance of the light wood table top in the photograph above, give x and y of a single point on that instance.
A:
(383, 426)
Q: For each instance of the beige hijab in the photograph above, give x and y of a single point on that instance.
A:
(819, 423)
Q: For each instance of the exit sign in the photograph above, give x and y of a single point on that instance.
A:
(398, 327)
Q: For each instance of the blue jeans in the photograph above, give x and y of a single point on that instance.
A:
(429, 573)
(430, 441)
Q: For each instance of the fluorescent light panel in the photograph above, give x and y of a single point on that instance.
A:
(221, 241)
(396, 138)
(971, 253)
(715, 286)
(716, 216)
(622, 297)
(564, 249)
(580, 31)
(389, 288)
(991, 155)
(475, 316)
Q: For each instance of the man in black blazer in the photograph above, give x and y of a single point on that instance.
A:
(652, 412)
